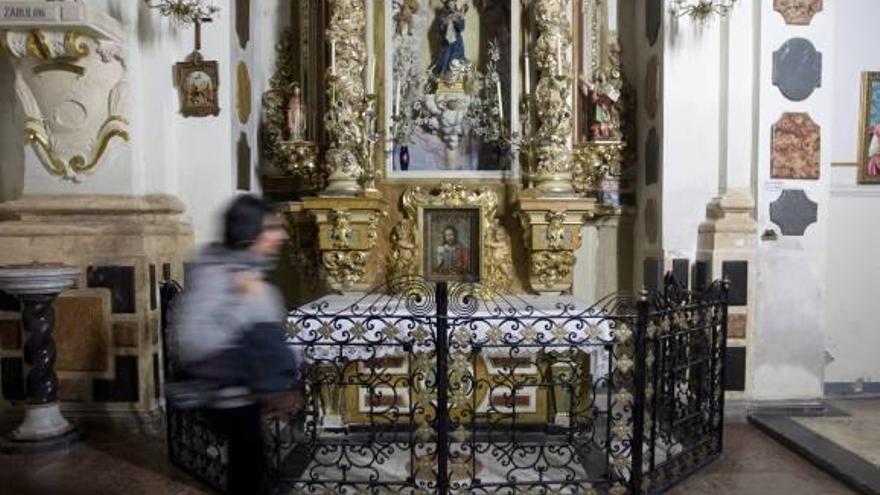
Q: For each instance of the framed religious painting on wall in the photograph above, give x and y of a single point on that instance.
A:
(451, 240)
(197, 83)
(869, 129)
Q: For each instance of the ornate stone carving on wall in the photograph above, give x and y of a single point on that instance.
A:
(798, 12)
(72, 85)
(793, 212)
(796, 143)
(797, 69)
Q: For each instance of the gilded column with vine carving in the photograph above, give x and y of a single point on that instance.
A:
(346, 35)
(553, 163)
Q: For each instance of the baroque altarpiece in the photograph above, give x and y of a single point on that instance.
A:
(465, 141)
(388, 122)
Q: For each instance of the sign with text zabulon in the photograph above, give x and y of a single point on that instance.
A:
(30, 11)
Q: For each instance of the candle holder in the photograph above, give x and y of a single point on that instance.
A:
(369, 140)
(525, 142)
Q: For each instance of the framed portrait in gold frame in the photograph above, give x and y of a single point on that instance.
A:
(869, 129)
(451, 234)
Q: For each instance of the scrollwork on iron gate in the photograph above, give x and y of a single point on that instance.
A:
(434, 389)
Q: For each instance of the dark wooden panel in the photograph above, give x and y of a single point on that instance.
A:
(8, 303)
(737, 272)
(681, 269)
(702, 274)
(13, 378)
(652, 274)
(125, 387)
(154, 299)
(120, 281)
(735, 369)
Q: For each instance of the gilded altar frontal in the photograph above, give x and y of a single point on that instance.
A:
(418, 247)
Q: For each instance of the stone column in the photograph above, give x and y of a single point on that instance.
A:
(345, 120)
(36, 286)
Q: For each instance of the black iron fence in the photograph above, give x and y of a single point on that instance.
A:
(449, 389)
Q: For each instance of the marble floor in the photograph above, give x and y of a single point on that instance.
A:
(859, 432)
(117, 462)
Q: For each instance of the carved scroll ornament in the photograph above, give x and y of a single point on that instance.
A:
(73, 90)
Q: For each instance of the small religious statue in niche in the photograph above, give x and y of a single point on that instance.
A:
(296, 114)
(499, 255)
(451, 27)
(447, 93)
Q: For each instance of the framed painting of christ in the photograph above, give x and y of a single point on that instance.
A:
(451, 240)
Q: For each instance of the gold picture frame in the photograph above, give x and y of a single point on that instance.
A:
(869, 129)
(198, 81)
(422, 209)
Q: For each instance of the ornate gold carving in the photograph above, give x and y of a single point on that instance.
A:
(553, 267)
(340, 231)
(555, 230)
(552, 230)
(345, 268)
(553, 114)
(594, 161)
(347, 133)
(407, 248)
(348, 230)
(295, 158)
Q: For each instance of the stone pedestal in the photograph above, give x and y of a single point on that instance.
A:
(552, 228)
(123, 246)
(347, 232)
(726, 249)
(36, 286)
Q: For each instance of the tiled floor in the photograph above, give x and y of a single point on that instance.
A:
(134, 464)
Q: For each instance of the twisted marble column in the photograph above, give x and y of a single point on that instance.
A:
(38, 318)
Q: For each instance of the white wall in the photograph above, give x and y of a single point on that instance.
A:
(851, 336)
(192, 158)
(691, 131)
(789, 342)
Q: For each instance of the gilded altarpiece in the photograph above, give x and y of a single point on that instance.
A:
(451, 140)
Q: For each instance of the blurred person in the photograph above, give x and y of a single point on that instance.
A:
(230, 337)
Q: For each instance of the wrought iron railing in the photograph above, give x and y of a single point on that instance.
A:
(441, 389)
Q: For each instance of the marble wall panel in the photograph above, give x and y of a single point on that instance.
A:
(796, 147)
